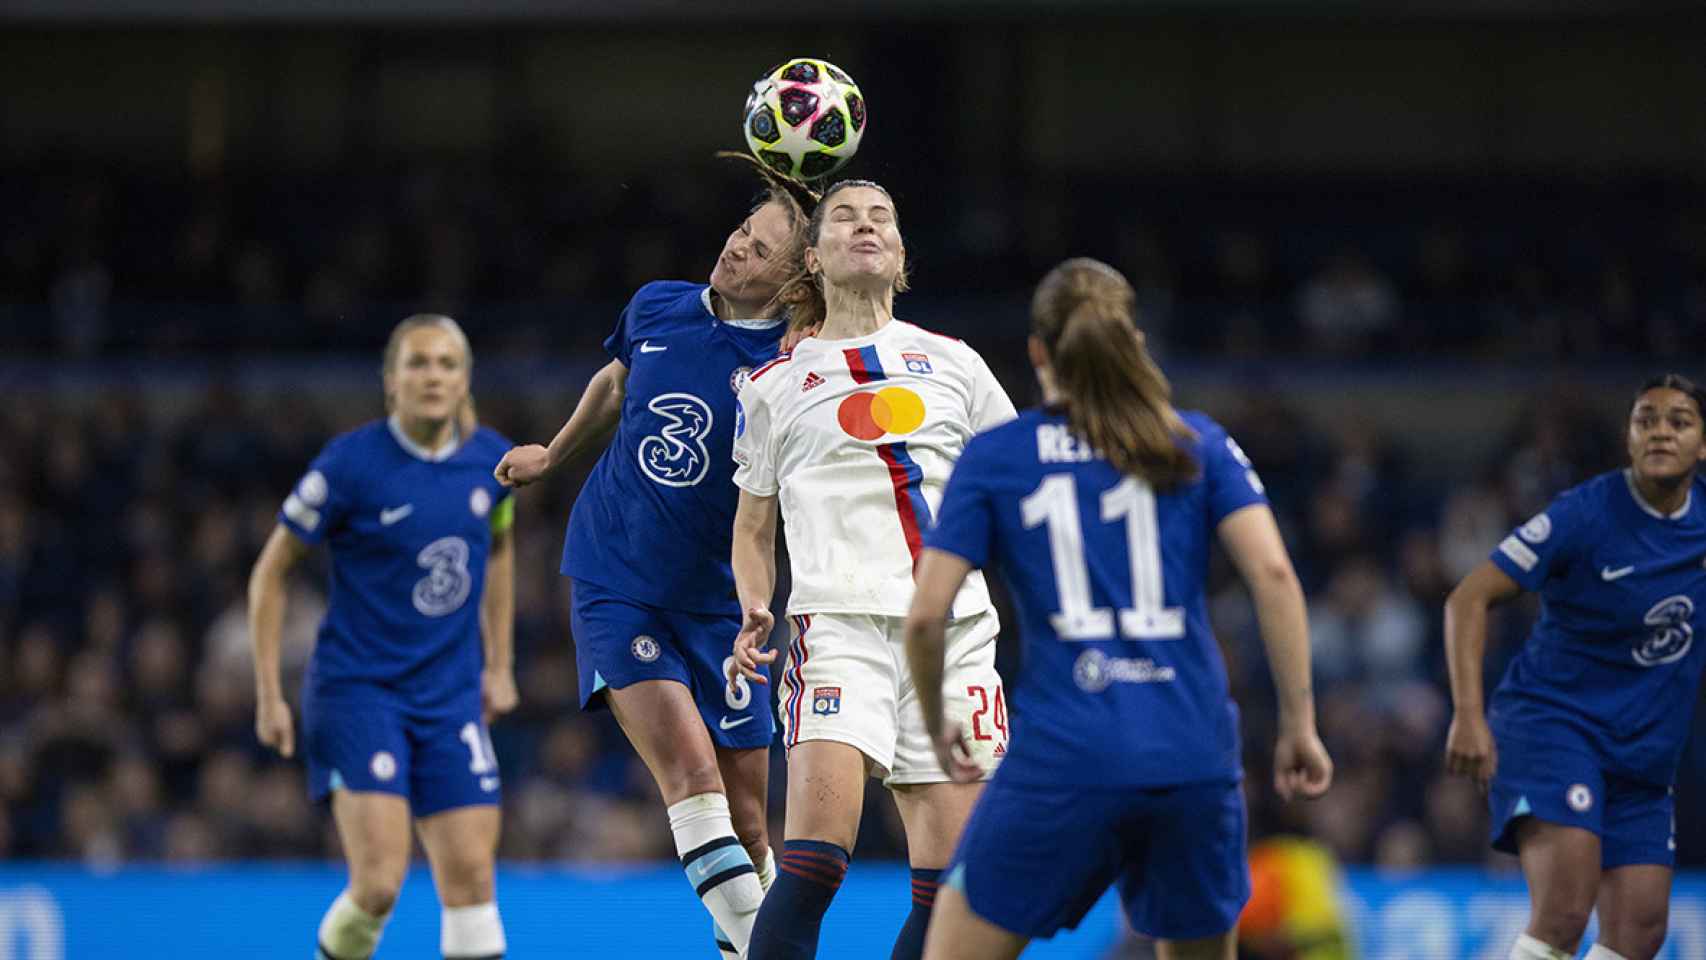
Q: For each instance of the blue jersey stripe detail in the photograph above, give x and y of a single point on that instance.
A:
(914, 484)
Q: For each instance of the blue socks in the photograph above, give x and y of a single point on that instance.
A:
(910, 944)
(792, 915)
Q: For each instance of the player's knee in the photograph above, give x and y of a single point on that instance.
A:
(468, 880)
(1562, 924)
(1640, 936)
(690, 777)
(376, 896)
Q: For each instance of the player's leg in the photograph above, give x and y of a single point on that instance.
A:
(933, 815)
(1546, 802)
(461, 844)
(454, 790)
(826, 793)
(1634, 911)
(956, 933)
(741, 726)
(1638, 851)
(746, 777)
(629, 660)
(374, 831)
(1562, 867)
(932, 809)
(663, 723)
(358, 759)
(838, 693)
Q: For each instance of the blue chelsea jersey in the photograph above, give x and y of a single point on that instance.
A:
(1123, 684)
(409, 534)
(1613, 653)
(654, 522)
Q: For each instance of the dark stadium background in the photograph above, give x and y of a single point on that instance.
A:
(1417, 263)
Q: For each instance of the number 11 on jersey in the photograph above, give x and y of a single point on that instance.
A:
(1055, 503)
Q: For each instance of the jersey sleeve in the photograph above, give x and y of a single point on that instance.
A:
(990, 405)
(965, 522)
(1542, 546)
(620, 343)
(755, 462)
(1228, 475)
(320, 500)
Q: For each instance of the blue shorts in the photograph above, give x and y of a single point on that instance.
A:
(1563, 782)
(619, 642)
(1033, 860)
(435, 759)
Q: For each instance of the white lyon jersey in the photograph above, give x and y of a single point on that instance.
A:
(858, 438)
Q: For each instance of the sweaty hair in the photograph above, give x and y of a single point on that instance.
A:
(1116, 398)
(1673, 381)
(465, 419)
(802, 294)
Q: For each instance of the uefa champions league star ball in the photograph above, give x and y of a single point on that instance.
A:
(804, 119)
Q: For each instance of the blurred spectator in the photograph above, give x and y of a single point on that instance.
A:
(1348, 306)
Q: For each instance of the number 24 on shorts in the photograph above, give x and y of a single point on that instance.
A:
(985, 703)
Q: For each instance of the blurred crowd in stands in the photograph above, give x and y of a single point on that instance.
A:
(97, 260)
(126, 697)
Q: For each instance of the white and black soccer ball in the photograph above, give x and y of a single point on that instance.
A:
(804, 118)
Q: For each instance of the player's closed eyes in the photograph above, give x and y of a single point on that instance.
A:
(758, 247)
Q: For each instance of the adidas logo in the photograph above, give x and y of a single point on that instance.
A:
(1001, 749)
(812, 380)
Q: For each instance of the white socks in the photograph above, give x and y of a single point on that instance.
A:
(471, 933)
(1528, 948)
(717, 865)
(1600, 951)
(767, 870)
(348, 932)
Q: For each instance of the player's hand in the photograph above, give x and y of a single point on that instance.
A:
(1469, 749)
(497, 693)
(273, 726)
(522, 465)
(1301, 765)
(794, 335)
(749, 646)
(954, 754)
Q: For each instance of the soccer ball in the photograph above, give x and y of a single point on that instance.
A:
(804, 118)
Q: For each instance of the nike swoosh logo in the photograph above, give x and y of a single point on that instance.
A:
(726, 725)
(1607, 574)
(648, 348)
(388, 517)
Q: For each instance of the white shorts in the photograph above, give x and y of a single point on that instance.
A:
(846, 680)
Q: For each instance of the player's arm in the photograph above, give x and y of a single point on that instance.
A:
(497, 616)
(588, 428)
(267, 587)
(754, 561)
(1252, 538)
(937, 581)
(1469, 748)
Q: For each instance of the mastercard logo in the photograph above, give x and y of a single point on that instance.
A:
(870, 416)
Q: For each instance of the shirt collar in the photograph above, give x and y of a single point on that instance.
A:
(760, 323)
(419, 452)
(1649, 509)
